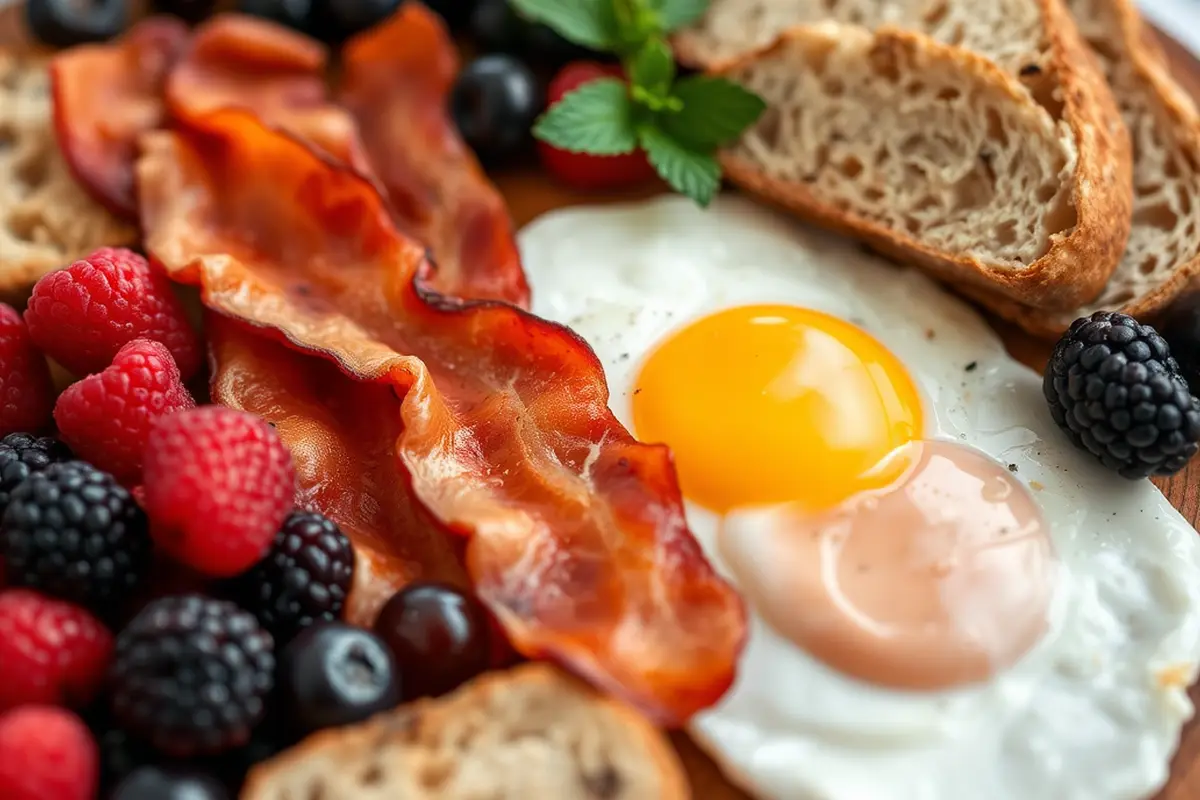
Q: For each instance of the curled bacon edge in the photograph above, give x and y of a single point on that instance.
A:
(456, 439)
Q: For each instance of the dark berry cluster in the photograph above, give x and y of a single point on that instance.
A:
(1115, 390)
(72, 531)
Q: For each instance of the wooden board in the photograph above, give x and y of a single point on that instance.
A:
(530, 194)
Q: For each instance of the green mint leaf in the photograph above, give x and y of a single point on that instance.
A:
(596, 118)
(636, 23)
(590, 23)
(715, 112)
(674, 14)
(688, 171)
(652, 71)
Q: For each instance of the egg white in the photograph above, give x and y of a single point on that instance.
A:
(1093, 713)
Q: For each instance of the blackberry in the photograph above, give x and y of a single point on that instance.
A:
(191, 675)
(21, 455)
(1115, 390)
(303, 579)
(73, 532)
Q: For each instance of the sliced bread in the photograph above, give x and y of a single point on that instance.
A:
(1163, 254)
(529, 732)
(46, 220)
(937, 156)
(1065, 252)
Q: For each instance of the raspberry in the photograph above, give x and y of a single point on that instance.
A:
(1115, 390)
(82, 315)
(219, 483)
(21, 455)
(26, 392)
(106, 417)
(75, 533)
(583, 170)
(51, 652)
(46, 753)
(191, 675)
(303, 579)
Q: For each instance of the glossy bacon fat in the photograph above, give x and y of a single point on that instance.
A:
(105, 96)
(241, 61)
(575, 533)
(395, 81)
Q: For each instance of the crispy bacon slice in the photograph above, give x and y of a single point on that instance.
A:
(342, 433)
(240, 61)
(576, 538)
(105, 96)
(396, 79)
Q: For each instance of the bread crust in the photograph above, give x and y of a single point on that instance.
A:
(1079, 261)
(1151, 67)
(46, 220)
(415, 722)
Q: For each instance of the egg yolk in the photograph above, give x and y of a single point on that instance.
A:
(773, 403)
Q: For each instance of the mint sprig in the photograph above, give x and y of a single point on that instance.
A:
(679, 123)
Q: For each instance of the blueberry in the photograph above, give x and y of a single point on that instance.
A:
(455, 12)
(496, 28)
(1181, 328)
(494, 104)
(65, 23)
(296, 14)
(439, 635)
(335, 674)
(335, 21)
(187, 10)
(168, 783)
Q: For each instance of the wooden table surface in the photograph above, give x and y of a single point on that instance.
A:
(530, 194)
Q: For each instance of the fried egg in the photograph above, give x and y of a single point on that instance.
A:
(946, 600)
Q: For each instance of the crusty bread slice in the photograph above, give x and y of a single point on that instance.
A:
(530, 732)
(1163, 254)
(46, 220)
(937, 156)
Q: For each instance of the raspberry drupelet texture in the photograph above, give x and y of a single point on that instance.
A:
(106, 417)
(21, 455)
(219, 483)
(51, 652)
(73, 532)
(46, 753)
(303, 579)
(1115, 390)
(191, 675)
(82, 315)
(26, 392)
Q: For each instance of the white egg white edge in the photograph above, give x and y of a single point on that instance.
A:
(1093, 713)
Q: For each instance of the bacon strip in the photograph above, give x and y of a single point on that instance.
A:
(396, 79)
(105, 96)
(342, 433)
(245, 62)
(576, 538)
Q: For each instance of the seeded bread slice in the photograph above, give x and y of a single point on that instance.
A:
(935, 155)
(1163, 254)
(943, 72)
(530, 732)
(46, 220)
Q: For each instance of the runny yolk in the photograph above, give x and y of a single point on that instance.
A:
(771, 403)
(941, 580)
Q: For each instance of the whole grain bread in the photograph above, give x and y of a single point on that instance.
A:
(1163, 254)
(976, 139)
(529, 732)
(46, 219)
